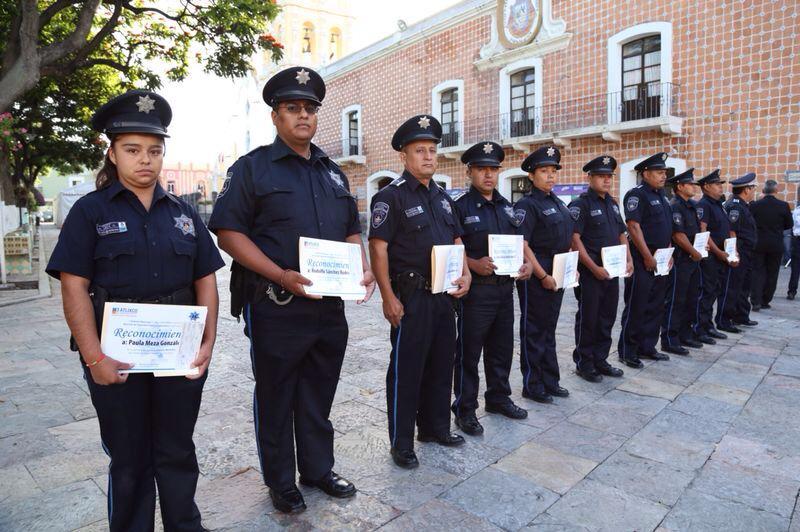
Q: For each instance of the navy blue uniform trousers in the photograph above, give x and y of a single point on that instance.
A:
(644, 309)
(732, 307)
(420, 374)
(711, 270)
(146, 427)
(680, 306)
(296, 352)
(597, 310)
(485, 323)
(537, 332)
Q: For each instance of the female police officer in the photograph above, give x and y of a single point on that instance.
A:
(131, 241)
(547, 228)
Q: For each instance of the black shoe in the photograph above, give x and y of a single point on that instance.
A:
(756, 308)
(655, 355)
(509, 409)
(288, 501)
(539, 397)
(634, 363)
(558, 391)
(449, 439)
(675, 350)
(405, 458)
(713, 333)
(609, 370)
(730, 329)
(469, 424)
(591, 376)
(766, 305)
(747, 323)
(704, 338)
(694, 344)
(332, 484)
(790, 296)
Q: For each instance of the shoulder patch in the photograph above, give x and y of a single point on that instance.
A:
(615, 207)
(575, 211)
(677, 218)
(632, 203)
(226, 185)
(700, 212)
(519, 215)
(733, 215)
(380, 212)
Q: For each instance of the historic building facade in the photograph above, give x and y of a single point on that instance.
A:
(714, 83)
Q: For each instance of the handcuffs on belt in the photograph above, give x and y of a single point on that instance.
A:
(271, 293)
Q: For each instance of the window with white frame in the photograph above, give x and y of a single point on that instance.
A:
(447, 104)
(351, 131)
(520, 90)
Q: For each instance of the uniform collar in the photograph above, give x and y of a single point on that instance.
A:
(684, 201)
(281, 150)
(415, 183)
(496, 197)
(593, 194)
(539, 193)
(712, 200)
(116, 187)
(647, 186)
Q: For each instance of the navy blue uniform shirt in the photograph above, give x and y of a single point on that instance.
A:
(274, 196)
(110, 239)
(742, 221)
(713, 214)
(598, 221)
(481, 217)
(412, 219)
(651, 209)
(546, 223)
(684, 220)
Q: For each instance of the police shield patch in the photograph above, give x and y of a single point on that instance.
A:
(700, 213)
(733, 215)
(380, 211)
(676, 218)
(575, 212)
(633, 203)
(185, 224)
(226, 185)
(519, 216)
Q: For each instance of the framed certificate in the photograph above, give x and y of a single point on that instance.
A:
(159, 339)
(335, 268)
(506, 252)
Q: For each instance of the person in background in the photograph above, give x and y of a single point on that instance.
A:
(793, 279)
(772, 217)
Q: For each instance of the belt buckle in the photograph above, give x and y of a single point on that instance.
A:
(274, 297)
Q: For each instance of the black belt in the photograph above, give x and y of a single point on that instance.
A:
(184, 296)
(410, 280)
(491, 279)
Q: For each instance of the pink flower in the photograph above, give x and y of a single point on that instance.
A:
(6, 132)
(23, 130)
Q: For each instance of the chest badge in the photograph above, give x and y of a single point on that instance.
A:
(446, 206)
(336, 178)
(111, 228)
(616, 209)
(185, 224)
(509, 211)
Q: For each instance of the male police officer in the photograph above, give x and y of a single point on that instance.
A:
(597, 224)
(409, 217)
(273, 196)
(733, 308)
(772, 217)
(486, 320)
(684, 280)
(649, 220)
(713, 219)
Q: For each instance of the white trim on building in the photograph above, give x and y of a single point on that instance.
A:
(504, 180)
(504, 93)
(627, 175)
(372, 182)
(436, 103)
(346, 129)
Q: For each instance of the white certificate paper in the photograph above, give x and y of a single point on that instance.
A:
(335, 268)
(701, 242)
(447, 265)
(506, 252)
(615, 260)
(730, 249)
(663, 256)
(565, 269)
(162, 339)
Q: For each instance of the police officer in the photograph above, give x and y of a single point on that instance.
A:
(772, 217)
(684, 279)
(547, 228)
(733, 308)
(597, 224)
(273, 196)
(649, 220)
(131, 241)
(486, 320)
(409, 217)
(713, 219)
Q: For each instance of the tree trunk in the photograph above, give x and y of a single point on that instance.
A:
(6, 186)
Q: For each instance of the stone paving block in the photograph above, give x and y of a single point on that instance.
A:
(595, 506)
(705, 407)
(405, 489)
(20, 448)
(505, 500)
(67, 467)
(785, 365)
(700, 511)
(228, 500)
(547, 523)
(224, 397)
(719, 392)
(642, 404)
(360, 512)
(748, 486)
(504, 433)
(351, 415)
(71, 506)
(757, 455)
(225, 441)
(637, 476)
(674, 451)
(463, 461)
(580, 441)
(375, 399)
(26, 421)
(437, 515)
(78, 435)
(732, 377)
(651, 387)
(610, 418)
(546, 467)
(16, 482)
(674, 424)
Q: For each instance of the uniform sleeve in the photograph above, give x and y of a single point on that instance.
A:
(734, 217)
(208, 259)
(235, 206)
(678, 220)
(634, 206)
(620, 222)
(458, 230)
(704, 213)
(528, 222)
(74, 251)
(383, 220)
(578, 212)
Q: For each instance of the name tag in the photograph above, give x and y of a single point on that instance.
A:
(596, 212)
(655, 202)
(111, 227)
(472, 219)
(548, 212)
(414, 211)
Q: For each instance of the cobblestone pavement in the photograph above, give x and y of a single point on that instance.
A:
(710, 441)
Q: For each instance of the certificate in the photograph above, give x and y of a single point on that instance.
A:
(663, 256)
(730, 249)
(565, 269)
(615, 260)
(162, 339)
(447, 265)
(506, 252)
(335, 268)
(701, 243)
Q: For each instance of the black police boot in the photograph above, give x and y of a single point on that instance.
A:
(706, 339)
(694, 344)
(405, 458)
(288, 501)
(634, 363)
(790, 296)
(729, 328)
(675, 350)
(756, 308)
(747, 323)
(449, 439)
(766, 305)
(509, 409)
(469, 424)
(713, 333)
(655, 355)
(608, 370)
(591, 376)
(558, 391)
(332, 484)
(539, 397)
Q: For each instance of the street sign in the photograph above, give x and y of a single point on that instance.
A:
(792, 176)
